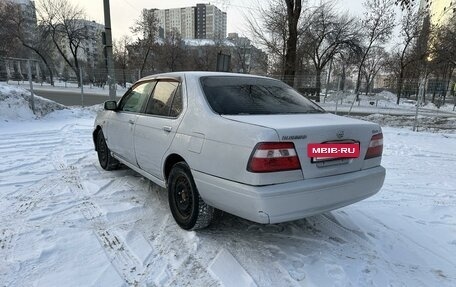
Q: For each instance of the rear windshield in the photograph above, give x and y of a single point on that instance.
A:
(230, 95)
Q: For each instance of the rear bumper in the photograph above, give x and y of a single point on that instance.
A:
(289, 201)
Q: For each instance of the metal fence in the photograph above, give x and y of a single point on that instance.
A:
(436, 103)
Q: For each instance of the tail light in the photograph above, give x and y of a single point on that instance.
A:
(375, 148)
(273, 156)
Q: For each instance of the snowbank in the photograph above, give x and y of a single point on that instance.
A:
(15, 104)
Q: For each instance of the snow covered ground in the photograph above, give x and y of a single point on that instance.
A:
(66, 222)
(385, 103)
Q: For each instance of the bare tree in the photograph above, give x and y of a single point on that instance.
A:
(346, 64)
(377, 27)
(406, 52)
(147, 28)
(37, 40)
(325, 34)
(405, 4)
(120, 55)
(62, 19)
(241, 54)
(173, 52)
(203, 57)
(373, 64)
(271, 32)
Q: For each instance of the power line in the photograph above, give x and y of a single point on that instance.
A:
(131, 5)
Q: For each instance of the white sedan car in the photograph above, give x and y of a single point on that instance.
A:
(240, 144)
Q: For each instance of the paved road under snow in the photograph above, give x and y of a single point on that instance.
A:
(73, 98)
(66, 222)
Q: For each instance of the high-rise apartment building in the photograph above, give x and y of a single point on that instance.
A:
(210, 23)
(181, 20)
(28, 13)
(93, 46)
(203, 21)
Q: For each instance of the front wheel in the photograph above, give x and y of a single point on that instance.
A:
(105, 158)
(188, 208)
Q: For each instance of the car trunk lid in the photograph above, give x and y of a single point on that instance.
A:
(304, 129)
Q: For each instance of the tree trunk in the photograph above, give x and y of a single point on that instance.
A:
(358, 83)
(434, 89)
(342, 78)
(76, 70)
(124, 78)
(366, 90)
(145, 60)
(448, 85)
(400, 82)
(293, 13)
(51, 74)
(290, 60)
(318, 85)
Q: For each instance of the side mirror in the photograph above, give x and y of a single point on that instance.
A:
(110, 105)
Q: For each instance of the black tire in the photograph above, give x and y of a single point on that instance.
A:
(188, 208)
(105, 158)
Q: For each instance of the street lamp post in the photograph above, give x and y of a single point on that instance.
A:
(108, 47)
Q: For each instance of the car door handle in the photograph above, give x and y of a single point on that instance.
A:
(167, 129)
(131, 122)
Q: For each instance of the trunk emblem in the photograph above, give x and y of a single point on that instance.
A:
(340, 134)
(294, 137)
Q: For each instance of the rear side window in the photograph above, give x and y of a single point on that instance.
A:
(230, 95)
(162, 100)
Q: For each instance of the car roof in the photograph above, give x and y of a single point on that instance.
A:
(196, 74)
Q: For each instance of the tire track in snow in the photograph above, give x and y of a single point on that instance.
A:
(119, 255)
(6, 245)
(23, 204)
(27, 152)
(22, 164)
(151, 263)
(172, 267)
(117, 251)
(6, 240)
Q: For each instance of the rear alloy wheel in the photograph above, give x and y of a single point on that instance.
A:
(188, 208)
(105, 158)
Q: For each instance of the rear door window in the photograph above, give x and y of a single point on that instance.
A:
(166, 99)
(231, 95)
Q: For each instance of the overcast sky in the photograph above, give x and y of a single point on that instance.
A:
(125, 12)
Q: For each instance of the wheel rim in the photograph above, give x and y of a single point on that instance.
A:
(183, 197)
(102, 151)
